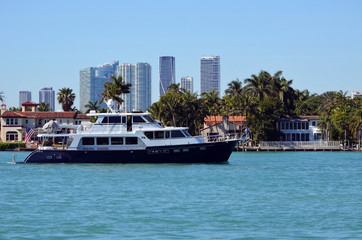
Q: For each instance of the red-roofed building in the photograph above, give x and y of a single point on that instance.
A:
(13, 124)
(223, 125)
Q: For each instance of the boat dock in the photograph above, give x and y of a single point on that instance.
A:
(294, 146)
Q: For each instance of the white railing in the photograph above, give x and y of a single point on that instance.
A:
(300, 144)
(220, 138)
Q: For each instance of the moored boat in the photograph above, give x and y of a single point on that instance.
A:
(129, 138)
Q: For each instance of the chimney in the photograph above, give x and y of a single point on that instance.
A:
(3, 108)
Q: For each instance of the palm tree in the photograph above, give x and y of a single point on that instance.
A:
(114, 89)
(43, 107)
(66, 98)
(2, 98)
(92, 106)
(285, 93)
(234, 88)
(259, 86)
(175, 87)
(211, 101)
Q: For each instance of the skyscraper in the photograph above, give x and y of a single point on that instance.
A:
(127, 71)
(167, 73)
(91, 83)
(47, 95)
(24, 96)
(188, 83)
(142, 87)
(210, 74)
(139, 75)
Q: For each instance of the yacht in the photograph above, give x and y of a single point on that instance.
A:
(128, 138)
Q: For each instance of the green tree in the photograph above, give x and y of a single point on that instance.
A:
(114, 89)
(43, 107)
(261, 86)
(66, 98)
(92, 106)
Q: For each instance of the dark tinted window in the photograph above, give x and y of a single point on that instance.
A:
(176, 134)
(159, 134)
(131, 140)
(102, 141)
(87, 141)
(149, 135)
(117, 140)
(112, 120)
(138, 119)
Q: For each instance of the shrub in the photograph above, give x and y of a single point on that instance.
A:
(11, 145)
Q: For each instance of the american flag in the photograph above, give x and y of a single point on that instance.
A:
(29, 133)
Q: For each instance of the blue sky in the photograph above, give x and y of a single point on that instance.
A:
(317, 43)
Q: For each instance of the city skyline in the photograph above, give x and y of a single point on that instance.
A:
(321, 52)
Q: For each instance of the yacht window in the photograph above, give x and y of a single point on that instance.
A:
(87, 141)
(187, 134)
(124, 119)
(149, 119)
(167, 134)
(102, 141)
(159, 134)
(112, 120)
(149, 135)
(138, 119)
(177, 134)
(117, 140)
(131, 140)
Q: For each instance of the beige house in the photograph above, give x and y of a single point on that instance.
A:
(223, 125)
(13, 124)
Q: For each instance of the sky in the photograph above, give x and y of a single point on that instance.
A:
(316, 43)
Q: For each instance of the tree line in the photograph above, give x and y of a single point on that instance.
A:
(262, 100)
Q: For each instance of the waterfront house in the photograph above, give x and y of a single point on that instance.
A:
(13, 124)
(223, 125)
(299, 128)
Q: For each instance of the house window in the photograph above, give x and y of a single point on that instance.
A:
(39, 122)
(313, 123)
(26, 121)
(11, 136)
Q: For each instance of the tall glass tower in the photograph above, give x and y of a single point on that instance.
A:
(91, 83)
(167, 73)
(24, 96)
(210, 74)
(187, 83)
(139, 75)
(47, 95)
(142, 87)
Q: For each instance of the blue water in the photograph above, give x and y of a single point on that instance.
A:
(279, 195)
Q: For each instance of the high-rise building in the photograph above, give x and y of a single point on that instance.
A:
(91, 83)
(24, 96)
(47, 95)
(142, 87)
(210, 74)
(188, 83)
(127, 71)
(139, 75)
(167, 73)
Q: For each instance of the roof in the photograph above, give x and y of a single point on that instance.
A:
(210, 120)
(29, 104)
(298, 118)
(46, 115)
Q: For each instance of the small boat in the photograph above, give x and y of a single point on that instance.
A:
(128, 138)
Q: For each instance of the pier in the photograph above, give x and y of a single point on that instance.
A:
(295, 146)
